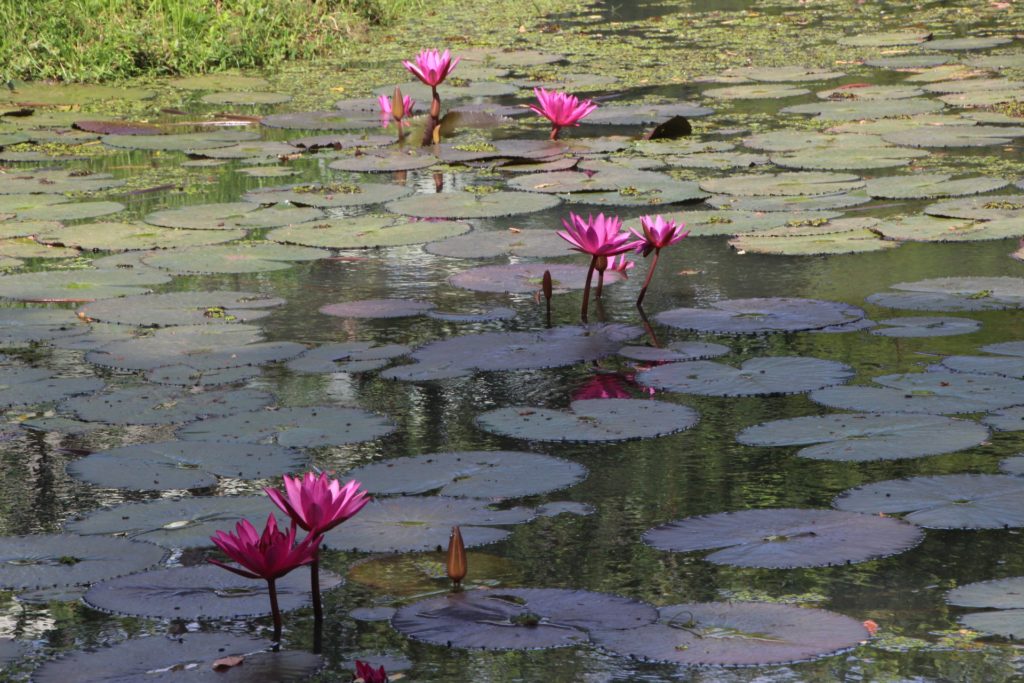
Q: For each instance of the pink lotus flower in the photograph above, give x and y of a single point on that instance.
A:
(370, 675)
(318, 503)
(561, 109)
(620, 264)
(268, 556)
(432, 67)
(601, 236)
(387, 114)
(658, 233)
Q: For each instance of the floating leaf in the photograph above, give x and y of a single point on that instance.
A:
(328, 196)
(180, 142)
(885, 39)
(187, 376)
(855, 110)
(755, 92)
(322, 120)
(19, 326)
(525, 278)
(987, 208)
(644, 114)
(361, 232)
(182, 308)
(377, 308)
(777, 375)
(414, 575)
(163, 405)
(20, 386)
(133, 236)
(384, 162)
(801, 203)
(78, 285)
(245, 257)
(304, 427)
(781, 74)
(246, 98)
(232, 216)
(347, 357)
(930, 229)
(955, 136)
(954, 294)
(783, 184)
(969, 43)
(46, 93)
(72, 211)
(56, 182)
(472, 205)
(921, 326)
(759, 316)
(51, 560)
(842, 236)
(676, 351)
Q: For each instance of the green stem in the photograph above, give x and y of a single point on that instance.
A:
(647, 282)
(586, 289)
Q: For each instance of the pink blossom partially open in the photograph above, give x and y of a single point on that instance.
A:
(561, 109)
(432, 67)
(318, 503)
(620, 264)
(658, 233)
(268, 556)
(387, 114)
(597, 236)
(369, 674)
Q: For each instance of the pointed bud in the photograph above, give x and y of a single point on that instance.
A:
(397, 106)
(456, 557)
(546, 285)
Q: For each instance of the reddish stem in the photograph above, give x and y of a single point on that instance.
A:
(318, 607)
(275, 611)
(600, 284)
(647, 282)
(554, 133)
(586, 289)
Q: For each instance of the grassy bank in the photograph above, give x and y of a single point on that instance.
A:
(96, 40)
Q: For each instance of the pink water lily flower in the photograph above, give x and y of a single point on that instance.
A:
(268, 556)
(658, 233)
(432, 67)
(561, 109)
(370, 675)
(620, 264)
(387, 113)
(318, 503)
(600, 236)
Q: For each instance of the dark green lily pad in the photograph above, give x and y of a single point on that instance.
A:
(305, 427)
(174, 522)
(856, 110)
(201, 592)
(494, 351)
(676, 351)
(21, 386)
(70, 211)
(722, 634)
(591, 420)
(802, 203)
(329, 196)
(133, 237)
(783, 184)
(955, 136)
(232, 216)
(246, 98)
(760, 316)
(322, 120)
(519, 618)
(785, 538)
(420, 523)
(78, 285)
(755, 92)
(347, 357)
(773, 376)
(182, 308)
(51, 560)
(363, 232)
(886, 39)
(56, 182)
(953, 501)
(244, 257)
(525, 278)
(470, 474)
(19, 326)
(384, 162)
(859, 437)
(969, 43)
(988, 208)
(192, 655)
(183, 464)
(472, 205)
(180, 142)
(153, 405)
(645, 114)
(922, 326)
(532, 243)
(378, 308)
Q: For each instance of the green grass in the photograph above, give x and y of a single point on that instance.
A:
(98, 40)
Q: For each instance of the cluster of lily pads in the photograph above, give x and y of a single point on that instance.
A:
(187, 361)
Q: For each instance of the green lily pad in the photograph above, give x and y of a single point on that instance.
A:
(886, 39)
(970, 43)
(182, 308)
(19, 326)
(362, 232)
(17, 203)
(233, 216)
(842, 236)
(323, 120)
(761, 315)
(1007, 60)
(642, 188)
(78, 285)
(525, 278)
(954, 294)
(244, 257)
(159, 405)
(10, 229)
(378, 308)
(931, 186)
(255, 150)
(925, 326)
(902, 62)
(26, 247)
(305, 427)
(509, 57)
(329, 196)
(782, 74)
(783, 184)
(386, 161)
(773, 376)
(133, 236)
(955, 136)
(21, 386)
(56, 182)
(868, 109)
(727, 222)
(800, 203)
(188, 376)
(71, 211)
(220, 81)
(676, 351)
(718, 160)
(57, 94)
(847, 158)
(755, 92)
(472, 205)
(932, 229)
(1003, 595)
(986, 98)
(987, 208)
(180, 142)
(246, 98)
(530, 243)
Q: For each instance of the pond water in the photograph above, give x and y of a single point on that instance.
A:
(874, 152)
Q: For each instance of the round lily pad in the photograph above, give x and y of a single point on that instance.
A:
(472, 205)
(491, 351)
(483, 316)
(378, 308)
(855, 110)
(78, 285)
(968, 43)
(163, 405)
(470, 474)
(759, 316)
(863, 91)
(953, 398)
(202, 592)
(1009, 363)
(987, 208)
(642, 188)
(50, 560)
(420, 523)
(246, 98)
(192, 655)
(645, 114)
(533, 243)
(347, 357)
(417, 574)
(329, 196)
(795, 203)
(525, 278)
(384, 162)
(843, 236)
(952, 501)
(181, 142)
(608, 419)
(886, 39)
(777, 375)
(519, 618)
(509, 57)
(787, 537)
(924, 326)
(71, 211)
(955, 136)
(20, 326)
(361, 232)
(183, 464)
(254, 151)
(721, 634)
(49, 93)
(954, 294)
(845, 158)
(182, 308)
(29, 248)
(783, 184)
(858, 437)
(782, 74)
(676, 351)
(1006, 419)
(244, 257)
(20, 386)
(232, 216)
(901, 62)
(755, 92)
(333, 119)
(921, 228)
(133, 236)
(717, 160)
(304, 427)
(56, 182)
(219, 81)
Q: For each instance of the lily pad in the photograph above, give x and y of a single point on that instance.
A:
(786, 537)
(193, 655)
(362, 232)
(21, 386)
(1009, 362)
(187, 376)
(332, 119)
(922, 326)
(19, 326)
(46, 93)
(202, 592)
(525, 278)
(255, 151)
(219, 81)
(71, 211)
(931, 229)
(855, 110)
(486, 315)
(842, 236)
(470, 474)
(304, 427)
(760, 316)
(163, 405)
(329, 196)
(859, 437)
(886, 39)
(232, 216)
(987, 208)
(801, 203)
(416, 574)
(676, 351)
(472, 205)
(645, 114)
(1007, 60)
(864, 91)
(133, 236)
(493, 351)
(519, 618)
(51, 560)
(182, 308)
(954, 294)
(531, 243)
(717, 160)
(410, 524)
(28, 248)
(773, 376)
(246, 98)
(782, 74)
(180, 142)
(384, 162)
(245, 257)
(509, 57)
(722, 634)
(347, 357)
(591, 420)
(846, 158)
(78, 285)
(783, 184)
(1003, 595)
(755, 92)
(969, 43)
(378, 308)
(183, 464)
(470, 90)
(56, 182)
(952, 501)
(955, 136)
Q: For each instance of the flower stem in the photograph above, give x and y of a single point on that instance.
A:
(275, 611)
(647, 282)
(318, 607)
(600, 284)
(554, 133)
(586, 289)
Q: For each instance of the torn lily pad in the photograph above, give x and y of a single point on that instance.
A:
(300, 427)
(761, 316)
(952, 501)
(786, 537)
(605, 419)
(51, 560)
(182, 308)
(154, 405)
(774, 376)
(364, 232)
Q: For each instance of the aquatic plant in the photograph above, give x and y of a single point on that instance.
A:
(657, 234)
(456, 558)
(432, 67)
(617, 264)
(395, 108)
(367, 674)
(561, 109)
(268, 556)
(600, 237)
